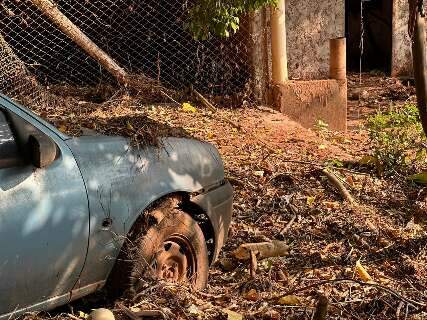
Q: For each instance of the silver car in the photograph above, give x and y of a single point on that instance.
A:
(77, 214)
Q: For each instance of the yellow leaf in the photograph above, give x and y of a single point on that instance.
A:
(310, 200)
(361, 271)
(235, 130)
(210, 135)
(419, 178)
(129, 126)
(188, 107)
(83, 315)
(232, 315)
(63, 128)
(193, 310)
(259, 173)
(289, 300)
(322, 147)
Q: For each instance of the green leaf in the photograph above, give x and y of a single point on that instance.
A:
(419, 178)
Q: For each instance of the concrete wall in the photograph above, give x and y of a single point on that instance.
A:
(310, 25)
(401, 61)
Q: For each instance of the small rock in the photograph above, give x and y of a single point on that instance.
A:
(101, 314)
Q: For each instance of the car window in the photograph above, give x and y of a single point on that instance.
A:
(9, 153)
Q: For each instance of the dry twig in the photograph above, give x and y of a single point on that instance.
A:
(254, 264)
(337, 183)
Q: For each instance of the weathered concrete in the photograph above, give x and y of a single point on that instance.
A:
(307, 102)
(401, 61)
(310, 25)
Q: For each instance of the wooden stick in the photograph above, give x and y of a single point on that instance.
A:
(288, 226)
(264, 250)
(158, 314)
(254, 264)
(334, 180)
(50, 10)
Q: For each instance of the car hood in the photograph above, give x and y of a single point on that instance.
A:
(178, 164)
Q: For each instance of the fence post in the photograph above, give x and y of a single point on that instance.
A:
(278, 43)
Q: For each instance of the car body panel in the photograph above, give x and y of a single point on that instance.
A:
(218, 205)
(44, 227)
(122, 181)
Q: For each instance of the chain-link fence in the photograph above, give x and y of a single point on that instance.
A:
(144, 37)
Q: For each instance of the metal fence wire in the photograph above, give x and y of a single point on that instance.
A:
(145, 37)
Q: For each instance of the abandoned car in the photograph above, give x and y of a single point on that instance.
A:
(78, 214)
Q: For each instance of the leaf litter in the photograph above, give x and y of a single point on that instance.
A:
(367, 258)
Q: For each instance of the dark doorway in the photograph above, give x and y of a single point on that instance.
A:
(377, 26)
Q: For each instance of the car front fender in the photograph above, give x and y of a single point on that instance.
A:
(122, 182)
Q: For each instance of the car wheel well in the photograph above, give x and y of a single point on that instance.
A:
(183, 201)
(116, 282)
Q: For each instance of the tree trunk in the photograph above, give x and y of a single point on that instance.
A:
(49, 9)
(419, 61)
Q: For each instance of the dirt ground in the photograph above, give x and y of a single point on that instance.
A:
(281, 193)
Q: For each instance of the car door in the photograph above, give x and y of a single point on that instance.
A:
(44, 217)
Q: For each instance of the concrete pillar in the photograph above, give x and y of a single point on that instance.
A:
(337, 59)
(278, 43)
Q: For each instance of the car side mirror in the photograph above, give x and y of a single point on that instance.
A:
(41, 149)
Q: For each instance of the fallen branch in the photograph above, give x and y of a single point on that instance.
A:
(254, 264)
(211, 108)
(71, 316)
(289, 225)
(321, 166)
(235, 181)
(337, 183)
(264, 250)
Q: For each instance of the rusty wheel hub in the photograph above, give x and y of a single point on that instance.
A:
(175, 260)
